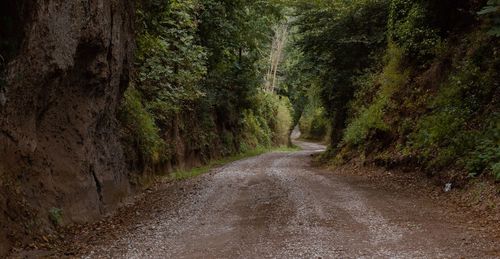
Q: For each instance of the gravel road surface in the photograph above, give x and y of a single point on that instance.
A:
(278, 206)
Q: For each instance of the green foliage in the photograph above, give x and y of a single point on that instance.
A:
(197, 80)
(236, 34)
(268, 123)
(495, 168)
(485, 155)
(140, 125)
(314, 125)
(256, 132)
(299, 83)
(435, 97)
(56, 216)
(281, 122)
(462, 129)
(170, 61)
(337, 61)
(371, 117)
(491, 13)
(410, 28)
(200, 67)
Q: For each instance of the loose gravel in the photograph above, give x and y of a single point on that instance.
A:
(278, 206)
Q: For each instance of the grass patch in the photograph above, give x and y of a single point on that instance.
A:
(182, 175)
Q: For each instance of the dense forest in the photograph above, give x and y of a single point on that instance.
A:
(97, 99)
(416, 84)
(197, 89)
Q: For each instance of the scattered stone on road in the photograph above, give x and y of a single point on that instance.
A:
(277, 206)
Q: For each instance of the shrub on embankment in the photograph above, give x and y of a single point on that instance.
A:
(428, 94)
(196, 92)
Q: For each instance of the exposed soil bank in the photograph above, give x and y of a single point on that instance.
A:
(59, 144)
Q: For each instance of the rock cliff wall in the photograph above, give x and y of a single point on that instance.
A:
(59, 145)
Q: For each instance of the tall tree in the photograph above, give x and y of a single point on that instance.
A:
(342, 44)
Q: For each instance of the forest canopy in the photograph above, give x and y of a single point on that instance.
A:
(391, 80)
(400, 82)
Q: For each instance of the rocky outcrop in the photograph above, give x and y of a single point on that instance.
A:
(59, 147)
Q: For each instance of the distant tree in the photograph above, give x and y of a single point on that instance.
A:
(342, 39)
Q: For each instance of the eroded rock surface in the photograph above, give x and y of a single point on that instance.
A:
(58, 132)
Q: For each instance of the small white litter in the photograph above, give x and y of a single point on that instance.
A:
(447, 187)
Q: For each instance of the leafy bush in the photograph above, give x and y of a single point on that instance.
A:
(434, 101)
(314, 125)
(462, 128)
(268, 122)
(491, 13)
(410, 28)
(371, 117)
(282, 121)
(339, 44)
(485, 154)
(170, 61)
(141, 126)
(197, 79)
(256, 133)
(436, 135)
(495, 169)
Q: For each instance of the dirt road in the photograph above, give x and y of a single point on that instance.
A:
(277, 206)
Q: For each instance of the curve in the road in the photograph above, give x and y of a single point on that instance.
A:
(277, 206)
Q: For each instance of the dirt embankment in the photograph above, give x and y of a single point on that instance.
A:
(59, 146)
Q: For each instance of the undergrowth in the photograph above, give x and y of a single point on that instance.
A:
(453, 122)
(263, 126)
(142, 130)
(463, 126)
(267, 123)
(371, 117)
(314, 123)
